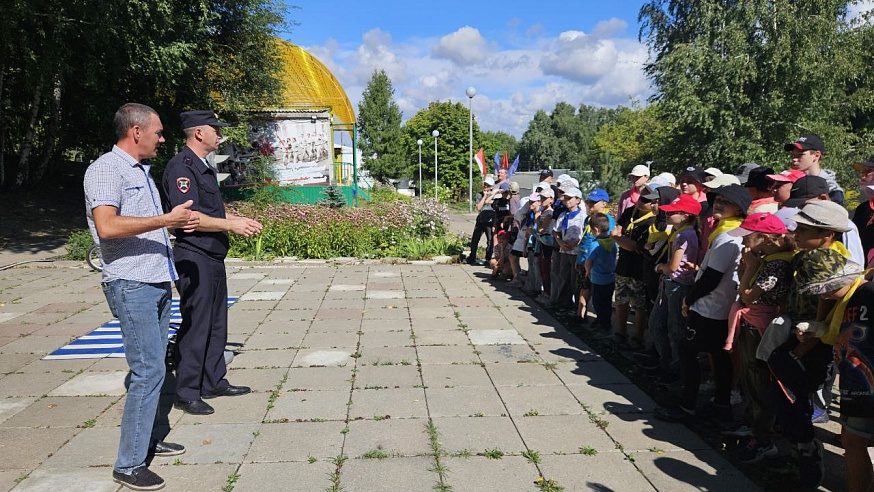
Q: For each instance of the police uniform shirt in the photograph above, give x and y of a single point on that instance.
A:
(188, 177)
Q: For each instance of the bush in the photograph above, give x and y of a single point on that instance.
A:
(78, 244)
(381, 229)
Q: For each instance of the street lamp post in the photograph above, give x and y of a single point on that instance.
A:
(435, 134)
(419, 142)
(470, 93)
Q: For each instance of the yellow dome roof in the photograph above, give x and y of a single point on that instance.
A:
(307, 82)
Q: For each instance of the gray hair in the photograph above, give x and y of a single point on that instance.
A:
(131, 115)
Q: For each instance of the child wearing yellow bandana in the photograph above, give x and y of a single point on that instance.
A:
(707, 306)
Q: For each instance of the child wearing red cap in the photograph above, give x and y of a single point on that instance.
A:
(765, 277)
(666, 320)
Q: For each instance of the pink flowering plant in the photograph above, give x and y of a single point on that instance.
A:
(379, 229)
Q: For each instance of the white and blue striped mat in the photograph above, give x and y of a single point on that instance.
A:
(106, 340)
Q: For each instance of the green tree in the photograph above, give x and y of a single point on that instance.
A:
(539, 146)
(451, 120)
(634, 137)
(564, 138)
(67, 67)
(379, 122)
(735, 80)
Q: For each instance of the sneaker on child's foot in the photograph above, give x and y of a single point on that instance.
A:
(811, 467)
(139, 479)
(737, 429)
(819, 416)
(756, 450)
(736, 398)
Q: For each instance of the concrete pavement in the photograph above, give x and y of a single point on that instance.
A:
(366, 377)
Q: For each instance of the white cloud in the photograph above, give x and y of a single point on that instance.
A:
(609, 27)
(600, 69)
(465, 47)
(856, 10)
(580, 57)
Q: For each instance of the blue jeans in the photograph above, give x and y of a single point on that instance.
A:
(143, 310)
(666, 322)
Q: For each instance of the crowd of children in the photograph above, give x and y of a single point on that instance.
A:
(762, 272)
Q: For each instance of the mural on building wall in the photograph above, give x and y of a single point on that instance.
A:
(301, 148)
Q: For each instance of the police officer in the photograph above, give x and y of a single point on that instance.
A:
(199, 255)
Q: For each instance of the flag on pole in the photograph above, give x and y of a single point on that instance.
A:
(480, 159)
(513, 167)
(505, 161)
(497, 162)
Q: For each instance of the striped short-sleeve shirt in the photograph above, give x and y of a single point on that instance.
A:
(118, 180)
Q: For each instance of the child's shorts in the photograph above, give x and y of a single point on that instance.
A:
(630, 291)
(582, 282)
(859, 426)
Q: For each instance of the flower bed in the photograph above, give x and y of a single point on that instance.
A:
(414, 229)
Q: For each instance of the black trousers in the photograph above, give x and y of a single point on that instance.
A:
(800, 377)
(201, 339)
(704, 335)
(482, 227)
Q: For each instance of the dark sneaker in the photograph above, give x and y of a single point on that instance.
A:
(139, 479)
(168, 449)
(756, 450)
(811, 467)
(819, 416)
(737, 429)
(668, 380)
(713, 411)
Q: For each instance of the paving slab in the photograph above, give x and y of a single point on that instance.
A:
(284, 476)
(92, 384)
(691, 471)
(367, 475)
(392, 436)
(495, 337)
(491, 371)
(478, 473)
(543, 400)
(319, 378)
(382, 377)
(322, 357)
(297, 441)
(394, 403)
(52, 480)
(449, 354)
(26, 448)
(309, 405)
(267, 358)
(476, 434)
(464, 402)
(10, 407)
(556, 434)
(214, 443)
(65, 411)
(191, 478)
(603, 471)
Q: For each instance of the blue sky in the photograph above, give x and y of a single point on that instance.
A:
(521, 56)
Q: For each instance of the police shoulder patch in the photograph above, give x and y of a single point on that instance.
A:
(183, 184)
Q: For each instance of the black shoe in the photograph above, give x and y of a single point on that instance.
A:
(231, 390)
(196, 407)
(167, 449)
(139, 479)
(668, 380)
